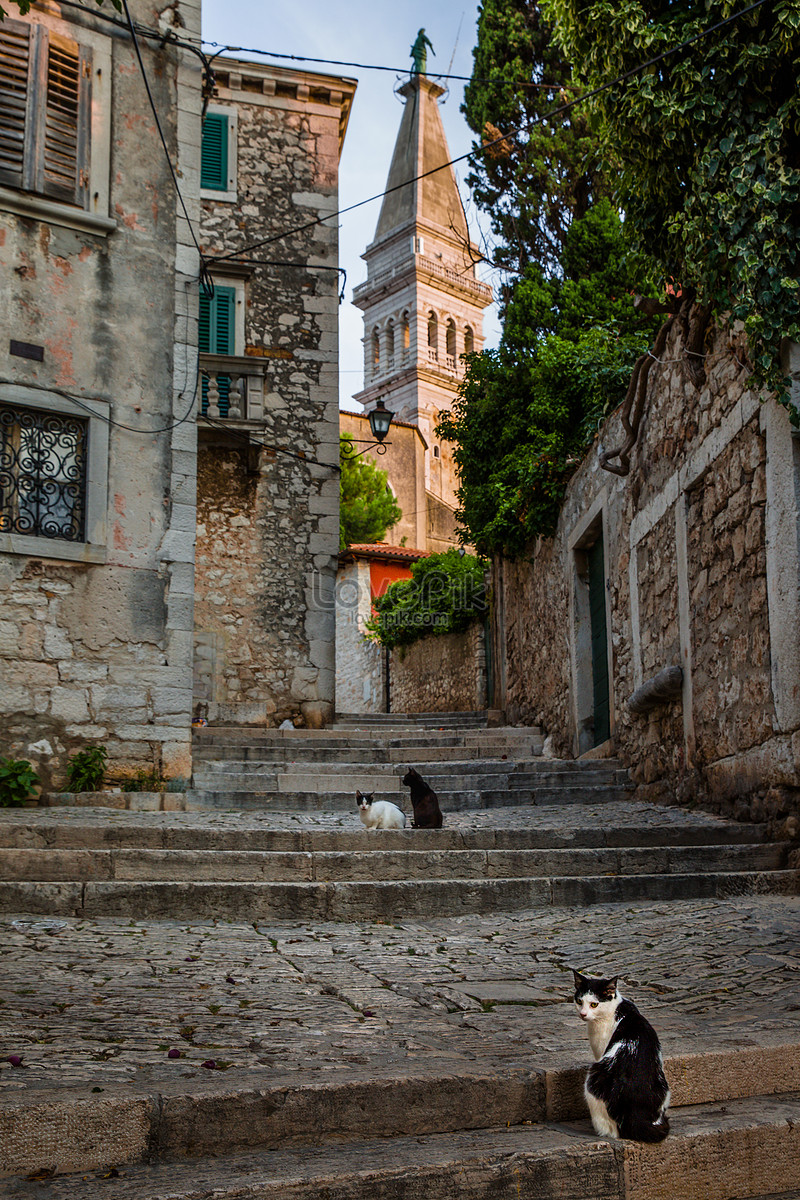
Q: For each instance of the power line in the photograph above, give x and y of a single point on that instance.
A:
(335, 62)
(57, 391)
(555, 112)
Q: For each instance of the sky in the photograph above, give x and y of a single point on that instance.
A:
(364, 32)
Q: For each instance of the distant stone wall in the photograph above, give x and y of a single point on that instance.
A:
(440, 674)
(359, 663)
(702, 563)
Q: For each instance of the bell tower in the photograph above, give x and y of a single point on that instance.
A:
(422, 303)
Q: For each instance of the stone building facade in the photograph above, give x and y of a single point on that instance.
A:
(268, 484)
(98, 336)
(691, 561)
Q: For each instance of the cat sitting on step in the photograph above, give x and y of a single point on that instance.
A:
(626, 1089)
(381, 814)
(427, 814)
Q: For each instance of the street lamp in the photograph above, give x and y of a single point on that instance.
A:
(379, 421)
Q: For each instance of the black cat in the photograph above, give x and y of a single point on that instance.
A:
(425, 802)
(626, 1089)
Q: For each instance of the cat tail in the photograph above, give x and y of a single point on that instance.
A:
(639, 1129)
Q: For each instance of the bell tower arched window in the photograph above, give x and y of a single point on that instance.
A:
(433, 337)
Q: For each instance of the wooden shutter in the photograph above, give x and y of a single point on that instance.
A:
(14, 65)
(214, 157)
(216, 335)
(44, 142)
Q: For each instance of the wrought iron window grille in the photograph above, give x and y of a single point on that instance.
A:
(43, 461)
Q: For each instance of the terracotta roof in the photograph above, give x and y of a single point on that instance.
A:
(381, 550)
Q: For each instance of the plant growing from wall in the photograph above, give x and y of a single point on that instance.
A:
(444, 595)
(86, 769)
(17, 781)
(367, 507)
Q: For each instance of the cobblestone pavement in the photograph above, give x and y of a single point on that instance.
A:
(575, 816)
(100, 1004)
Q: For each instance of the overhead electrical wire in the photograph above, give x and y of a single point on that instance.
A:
(335, 62)
(567, 106)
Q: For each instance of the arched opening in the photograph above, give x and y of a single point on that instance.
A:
(376, 349)
(433, 337)
(406, 332)
(469, 341)
(450, 343)
(390, 345)
(436, 452)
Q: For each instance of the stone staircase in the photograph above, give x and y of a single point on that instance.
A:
(471, 1118)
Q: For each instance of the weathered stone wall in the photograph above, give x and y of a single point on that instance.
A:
(266, 549)
(95, 636)
(701, 559)
(440, 674)
(359, 663)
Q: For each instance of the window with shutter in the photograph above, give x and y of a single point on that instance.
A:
(216, 335)
(214, 159)
(45, 108)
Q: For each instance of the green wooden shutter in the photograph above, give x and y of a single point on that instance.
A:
(14, 67)
(216, 335)
(214, 157)
(597, 615)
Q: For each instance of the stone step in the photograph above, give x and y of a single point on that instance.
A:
(714, 1152)
(387, 785)
(417, 720)
(524, 770)
(371, 753)
(223, 866)
(391, 901)
(66, 829)
(465, 799)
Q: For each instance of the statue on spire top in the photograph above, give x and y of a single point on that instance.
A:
(419, 53)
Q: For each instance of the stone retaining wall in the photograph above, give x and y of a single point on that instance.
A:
(440, 674)
(701, 571)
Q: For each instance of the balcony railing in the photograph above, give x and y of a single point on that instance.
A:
(232, 388)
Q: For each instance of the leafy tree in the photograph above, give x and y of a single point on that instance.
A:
(703, 148)
(367, 507)
(526, 411)
(444, 595)
(538, 176)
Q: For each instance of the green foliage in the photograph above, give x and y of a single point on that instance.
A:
(541, 175)
(444, 595)
(86, 769)
(521, 422)
(703, 148)
(17, 781)
(526, 411)
(143, 781)
(367, 506)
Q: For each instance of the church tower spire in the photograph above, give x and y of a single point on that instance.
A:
(422, 303)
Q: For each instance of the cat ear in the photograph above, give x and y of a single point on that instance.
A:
(610, 989)
(358, 794)
(579, 979)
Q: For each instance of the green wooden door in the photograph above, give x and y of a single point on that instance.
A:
(215, 335)
(597, 612)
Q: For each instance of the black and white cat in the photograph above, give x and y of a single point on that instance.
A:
(626, 1089)
(379, 814)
